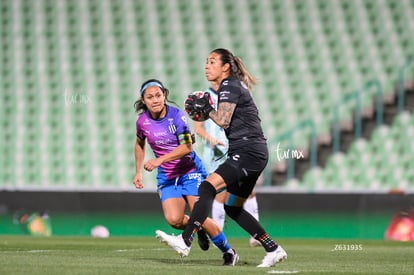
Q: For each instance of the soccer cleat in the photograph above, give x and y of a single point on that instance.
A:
(175, 242)
(254, 243)
(274, 257)
(203, 240)
(230, 258)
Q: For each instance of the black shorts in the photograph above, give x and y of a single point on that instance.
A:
(242, 168)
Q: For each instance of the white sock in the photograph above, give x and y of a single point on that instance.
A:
(251, 206)
(218, 214)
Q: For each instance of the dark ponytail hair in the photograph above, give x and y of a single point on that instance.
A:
(237, 67)
(139, 106)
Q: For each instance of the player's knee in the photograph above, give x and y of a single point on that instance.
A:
(176, 222)
(206, 191)
(233, 211)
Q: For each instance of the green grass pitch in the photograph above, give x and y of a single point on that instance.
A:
(146, 255)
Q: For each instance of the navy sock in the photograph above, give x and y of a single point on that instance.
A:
(201, 210)
(251, 225)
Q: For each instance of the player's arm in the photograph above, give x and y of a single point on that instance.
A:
(185, 147)
(139, 154)
(179, 152)
(139, 158)
(222, 116)
(201, 131)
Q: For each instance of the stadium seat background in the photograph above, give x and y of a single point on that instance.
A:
(71, 70)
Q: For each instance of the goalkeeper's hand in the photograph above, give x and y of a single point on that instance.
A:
(193, 104)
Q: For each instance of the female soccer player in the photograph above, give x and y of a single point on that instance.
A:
(237, 114)
(180, 170)
(215, 153)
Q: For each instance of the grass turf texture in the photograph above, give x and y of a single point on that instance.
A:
(145, 255)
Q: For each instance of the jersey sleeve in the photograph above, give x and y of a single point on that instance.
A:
(139, 131)
(183, 130)
(228, 93)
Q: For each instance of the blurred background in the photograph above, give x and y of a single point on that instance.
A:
(336, 98)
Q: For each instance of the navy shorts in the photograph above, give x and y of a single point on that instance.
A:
(242, 168)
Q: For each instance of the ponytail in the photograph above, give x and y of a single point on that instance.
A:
(237, 67)
(241, 73)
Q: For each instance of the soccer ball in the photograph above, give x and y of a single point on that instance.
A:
(99, 231)
(196, 116)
